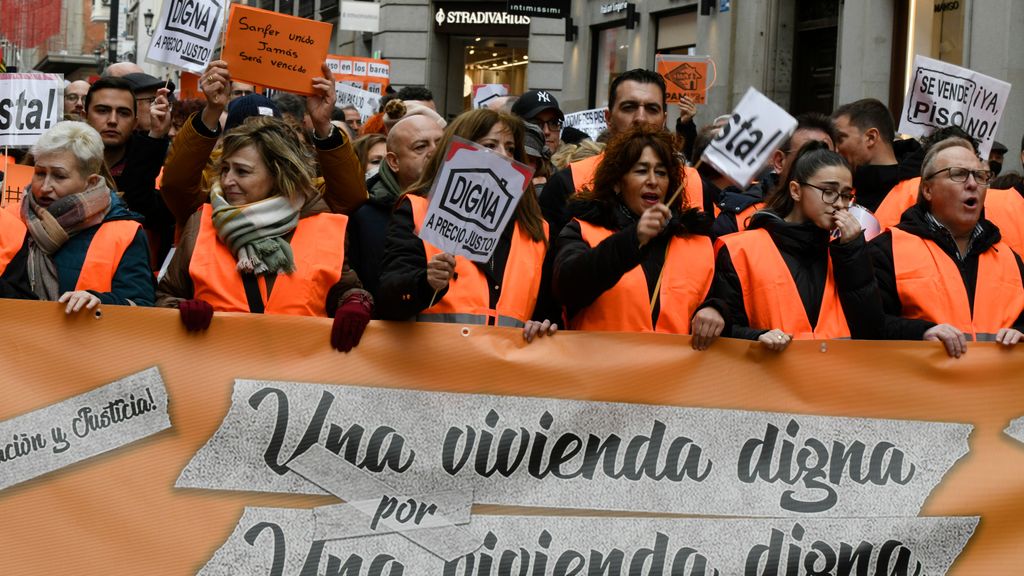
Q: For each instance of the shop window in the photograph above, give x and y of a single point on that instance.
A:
(948, 32)
(306, 8)
(611, 53)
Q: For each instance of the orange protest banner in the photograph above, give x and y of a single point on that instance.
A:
(123, 505)
(275, 50)
(684, 76)
(16, 178)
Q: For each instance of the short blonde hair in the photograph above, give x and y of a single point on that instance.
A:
(569, 153)
(78, 138)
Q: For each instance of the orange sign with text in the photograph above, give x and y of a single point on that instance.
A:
(275, 50)
(684, 76)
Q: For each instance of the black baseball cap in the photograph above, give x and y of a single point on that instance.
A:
(534, 102)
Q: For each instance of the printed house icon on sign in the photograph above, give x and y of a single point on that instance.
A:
(685, 76)
(477, 196)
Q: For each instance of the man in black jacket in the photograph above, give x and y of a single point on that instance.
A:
(865, 133)
(943, 272)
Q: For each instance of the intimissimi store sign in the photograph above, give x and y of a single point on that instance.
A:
(478, 19)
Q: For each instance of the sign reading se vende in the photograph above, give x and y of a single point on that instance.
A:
(275, 50)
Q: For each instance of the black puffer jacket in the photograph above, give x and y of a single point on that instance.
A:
(915, 221)
(805, 249)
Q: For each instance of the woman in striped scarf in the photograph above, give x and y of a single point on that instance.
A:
(75, 241)
(266, 242)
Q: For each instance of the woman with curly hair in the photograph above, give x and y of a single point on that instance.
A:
(636, 258)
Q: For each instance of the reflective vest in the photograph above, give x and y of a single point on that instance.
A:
(896, 202)
(318, 245)
(931, 288)
(688, 269)
(770, 295)
(12, 237)
(744, 216)
(104, 255)
(583, 176)
(1005, 209)
(468, 298)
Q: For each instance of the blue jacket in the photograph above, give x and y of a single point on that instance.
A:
(133, 280)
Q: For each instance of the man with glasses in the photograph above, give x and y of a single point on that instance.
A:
(145, 89)
(74, 98)
(944, 273)
(540, 107)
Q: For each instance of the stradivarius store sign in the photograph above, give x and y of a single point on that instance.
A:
(454, 18)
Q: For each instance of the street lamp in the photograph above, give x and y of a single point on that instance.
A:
(147, 19)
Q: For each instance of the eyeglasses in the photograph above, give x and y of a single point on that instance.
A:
(832, 195)
(552, 125)
(146, 99)
(958, 174)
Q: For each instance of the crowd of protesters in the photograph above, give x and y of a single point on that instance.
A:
(239, 202)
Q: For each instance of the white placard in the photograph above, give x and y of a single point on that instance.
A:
(339, 65)
(378, 69)
(360, 16)
(359, 68)
(473, 197)
(593, 122)
(366, 102)
(756, 128)
(186, 34)
(30, 104)
(484, 93)
(942, 94)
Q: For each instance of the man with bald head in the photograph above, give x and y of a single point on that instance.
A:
(74, 98)
(411, 143)
(119, 69)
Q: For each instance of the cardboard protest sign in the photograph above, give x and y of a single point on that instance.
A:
(30, 104)
(472, 199)
(283, 538)
(373, 74)
(942, 94)
(188, 87)
(82, 427)
(756, 128)
(484, 93)
(366, 102)
(275, 50)
(16, 178)
(684, 76)
(186, 34)
(593, 121)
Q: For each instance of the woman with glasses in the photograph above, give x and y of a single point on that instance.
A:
(801, 269)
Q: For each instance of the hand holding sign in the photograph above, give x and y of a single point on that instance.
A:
(216, 86)
(440, 271)
(651, 223)
(160, 115)
(320, 105)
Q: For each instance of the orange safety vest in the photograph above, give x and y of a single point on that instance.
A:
(104, 254)
(744, 216)
(902, 196)
(688, 269)
(583, 175)
(318, 245)
(1005, 209)
(468, 298)
(770, 295)
(12, 237)
(930, 287)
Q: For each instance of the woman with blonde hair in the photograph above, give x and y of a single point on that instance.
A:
(84, 248)
(419, 281)
(265, 242)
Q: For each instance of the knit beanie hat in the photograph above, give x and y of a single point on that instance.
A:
(250, 105)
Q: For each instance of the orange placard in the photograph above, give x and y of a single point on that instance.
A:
(16, 178)
(188, 84)
(119, 513)
(684, 76)
(274, 50)
(370, 74)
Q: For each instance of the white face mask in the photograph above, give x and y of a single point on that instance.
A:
(371, 171)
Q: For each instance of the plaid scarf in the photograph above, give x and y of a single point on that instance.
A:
(50, 227)
(253, 232)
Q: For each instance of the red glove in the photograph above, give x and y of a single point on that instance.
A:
(195, 314)
(350, 320)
